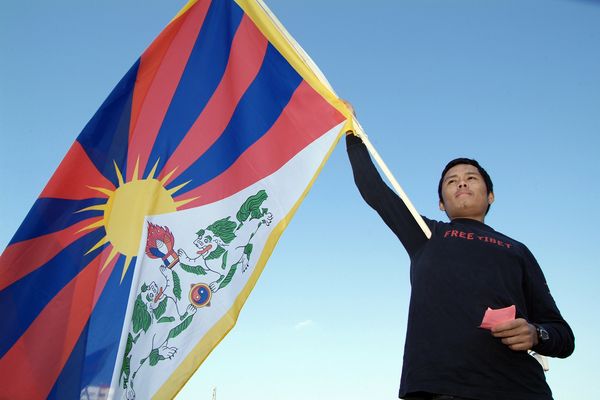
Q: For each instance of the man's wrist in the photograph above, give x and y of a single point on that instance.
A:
(541, 334)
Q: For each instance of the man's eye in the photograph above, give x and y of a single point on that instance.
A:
(450, 181)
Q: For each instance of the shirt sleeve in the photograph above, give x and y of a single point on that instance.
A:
(542, 310)
(382, 199)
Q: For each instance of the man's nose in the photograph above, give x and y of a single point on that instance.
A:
(462, 183)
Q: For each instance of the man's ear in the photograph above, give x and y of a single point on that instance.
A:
(491, 198)
(442, 208)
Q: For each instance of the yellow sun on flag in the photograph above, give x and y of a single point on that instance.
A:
(126, 208)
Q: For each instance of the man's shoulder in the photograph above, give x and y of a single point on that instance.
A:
(517, 244)
(512, 239)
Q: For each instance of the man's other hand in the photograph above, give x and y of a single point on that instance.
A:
(518, 334)
(349, 106)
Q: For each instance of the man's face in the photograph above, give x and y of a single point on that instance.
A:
(464, 193)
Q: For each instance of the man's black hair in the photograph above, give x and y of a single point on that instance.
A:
(458, 161)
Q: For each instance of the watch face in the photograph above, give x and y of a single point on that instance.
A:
(542, 334)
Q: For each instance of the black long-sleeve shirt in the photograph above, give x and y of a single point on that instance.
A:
(465, 267)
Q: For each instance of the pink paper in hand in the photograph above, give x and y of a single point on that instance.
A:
(495, 317)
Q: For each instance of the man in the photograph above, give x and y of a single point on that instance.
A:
(464, 268)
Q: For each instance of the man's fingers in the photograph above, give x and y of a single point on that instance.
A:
(515, 334)
(349, 106)
(519, 347)
(515, 340)
(518, 342)
(515, 327)
(509, 332)
(509, 325)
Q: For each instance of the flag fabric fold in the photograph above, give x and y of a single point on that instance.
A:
(138, 255)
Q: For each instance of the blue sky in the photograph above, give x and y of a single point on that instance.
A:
(513, 83)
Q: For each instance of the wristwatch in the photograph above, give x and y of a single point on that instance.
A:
(542, 334)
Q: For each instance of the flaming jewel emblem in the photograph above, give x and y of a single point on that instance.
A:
(160, 244)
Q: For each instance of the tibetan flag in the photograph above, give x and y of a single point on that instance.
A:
(138, 255)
